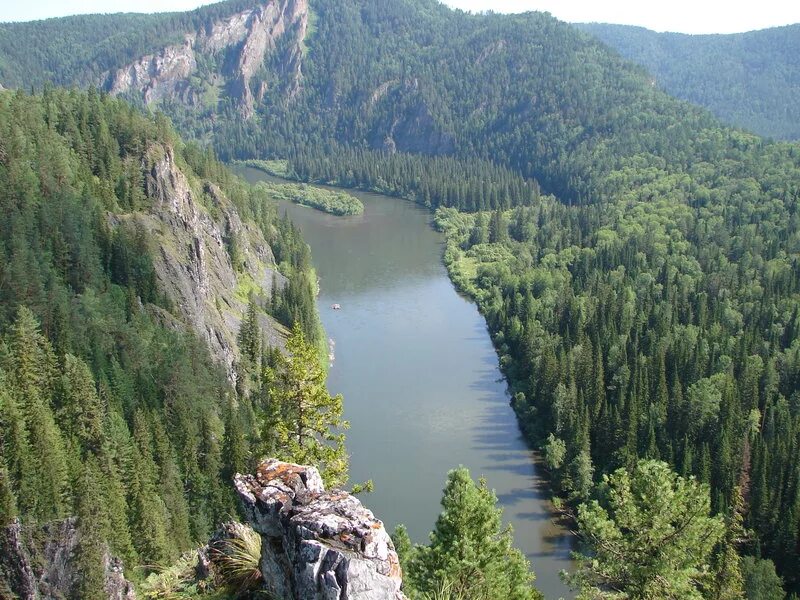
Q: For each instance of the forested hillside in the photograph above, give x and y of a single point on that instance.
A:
(112, 408)
(638, 263)
(749, 80)
(525, 92)
(663, 324)
(75, 51)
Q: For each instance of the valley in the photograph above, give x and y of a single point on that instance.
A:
(419, 374)
(547, 263)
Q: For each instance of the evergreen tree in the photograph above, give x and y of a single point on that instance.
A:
(94, 529)
(311, 419)
(402, 544)
(8, 503)
(651, 537)
(728, 583)
(16, 451)
(250, 337)
(470, 549)
(81, 411)
(760, 580)
(234, 446)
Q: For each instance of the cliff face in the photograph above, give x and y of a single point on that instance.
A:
(38, 562)
(191, 258)
(241, 44)
(412, 129)
(317, 545)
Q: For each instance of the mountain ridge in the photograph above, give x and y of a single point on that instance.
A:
(748, 79)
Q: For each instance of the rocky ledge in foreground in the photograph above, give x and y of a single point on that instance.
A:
(317, 545)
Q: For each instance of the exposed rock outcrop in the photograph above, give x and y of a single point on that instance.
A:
(252, 36)
(317, 545)
(192, 259)
(413, 129)
(38, 562)
(157, 76)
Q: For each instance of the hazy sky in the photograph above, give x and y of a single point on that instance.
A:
(688, 16)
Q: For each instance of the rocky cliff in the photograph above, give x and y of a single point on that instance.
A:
(191, 257)
(222, 58)
(317, 544)
(38, 562)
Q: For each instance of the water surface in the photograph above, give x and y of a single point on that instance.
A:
(420, 379)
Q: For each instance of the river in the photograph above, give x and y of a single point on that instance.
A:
(420, 379)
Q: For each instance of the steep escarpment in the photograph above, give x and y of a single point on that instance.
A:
(40, 562)
(317, 544)
(225, 58)
(191, 253)
(127, 261)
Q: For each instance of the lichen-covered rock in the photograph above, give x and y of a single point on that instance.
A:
(317, 545)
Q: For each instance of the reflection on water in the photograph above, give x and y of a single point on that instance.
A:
(422, 390)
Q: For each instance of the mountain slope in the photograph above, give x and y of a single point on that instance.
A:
(649, 309)
(77, 50)
(523, 91)
(126, 262)
(749, 80)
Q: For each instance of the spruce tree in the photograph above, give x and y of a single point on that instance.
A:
(309, 431)
(8, 503)
(470, 550)
(94, 528)
(234, 445)
(81, 411)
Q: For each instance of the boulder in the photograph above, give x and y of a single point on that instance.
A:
(317, 544)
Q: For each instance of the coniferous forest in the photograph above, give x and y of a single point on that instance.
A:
(637, 263)
(107, 411)
(721, 72)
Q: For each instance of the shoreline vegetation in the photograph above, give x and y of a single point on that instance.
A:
(338, 203)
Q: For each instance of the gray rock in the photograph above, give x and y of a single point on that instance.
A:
(317, 545)
(250, 35)
(202, 568)
(36, 562)
(192, 262)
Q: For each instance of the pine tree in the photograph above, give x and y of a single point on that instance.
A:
(470, 549)
(307, 432)
(651, 537)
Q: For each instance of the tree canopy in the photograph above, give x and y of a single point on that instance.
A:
(471, 553)
(650, 536)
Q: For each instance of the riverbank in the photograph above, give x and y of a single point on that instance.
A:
(338, 202)
(419, 373)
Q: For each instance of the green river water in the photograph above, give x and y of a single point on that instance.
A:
(420, 379)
